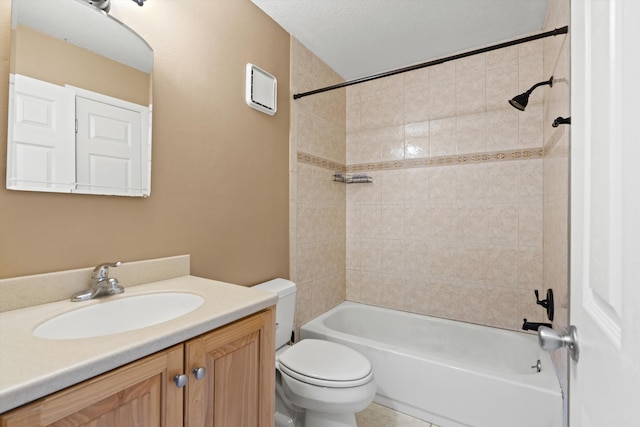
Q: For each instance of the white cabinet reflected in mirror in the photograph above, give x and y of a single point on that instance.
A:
(79, 101)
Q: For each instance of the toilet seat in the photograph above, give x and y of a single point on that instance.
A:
(325, 364)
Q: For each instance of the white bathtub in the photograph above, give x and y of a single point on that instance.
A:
(449, 373)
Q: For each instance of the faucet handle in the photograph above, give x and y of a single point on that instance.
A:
(101, 272)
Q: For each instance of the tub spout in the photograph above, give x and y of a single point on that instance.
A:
(533, 326)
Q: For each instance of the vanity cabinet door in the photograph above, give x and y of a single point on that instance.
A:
(238, 388)
(140, 394)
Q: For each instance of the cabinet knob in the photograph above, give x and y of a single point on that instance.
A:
(199, 373)
(180, 380)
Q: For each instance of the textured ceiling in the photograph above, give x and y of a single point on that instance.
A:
(359, 38)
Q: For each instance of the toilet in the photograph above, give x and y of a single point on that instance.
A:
(318, 383)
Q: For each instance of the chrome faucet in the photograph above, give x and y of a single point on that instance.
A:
(101, 283)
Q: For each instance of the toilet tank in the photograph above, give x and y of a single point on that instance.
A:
(285, 307)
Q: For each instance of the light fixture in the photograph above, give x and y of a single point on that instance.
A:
(105, 5)
(520, 101)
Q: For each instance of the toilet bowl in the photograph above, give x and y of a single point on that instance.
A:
(318, 383)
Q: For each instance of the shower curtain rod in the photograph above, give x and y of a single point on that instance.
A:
(557, 31)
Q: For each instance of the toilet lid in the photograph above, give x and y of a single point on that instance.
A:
(326, 364)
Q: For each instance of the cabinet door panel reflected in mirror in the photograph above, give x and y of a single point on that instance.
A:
(79, 102)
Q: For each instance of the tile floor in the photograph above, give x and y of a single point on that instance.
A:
(380, 416)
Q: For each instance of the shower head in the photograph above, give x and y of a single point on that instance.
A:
(520, 101)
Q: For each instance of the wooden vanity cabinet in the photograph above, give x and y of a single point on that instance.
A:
(237, 388)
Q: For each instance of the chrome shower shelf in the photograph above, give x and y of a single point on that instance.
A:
(356, 178)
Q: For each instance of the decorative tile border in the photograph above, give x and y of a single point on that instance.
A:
(424, 162)
(310, 159)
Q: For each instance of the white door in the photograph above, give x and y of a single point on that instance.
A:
(605, 213)
(41, 137)
(109, 144)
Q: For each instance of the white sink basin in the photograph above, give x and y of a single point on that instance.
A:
(120, 315)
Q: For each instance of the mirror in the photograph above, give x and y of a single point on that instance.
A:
(79, 101)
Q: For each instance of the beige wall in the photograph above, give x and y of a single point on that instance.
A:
(75, 66)
(452, 225)
(220, 168)
(317, 203)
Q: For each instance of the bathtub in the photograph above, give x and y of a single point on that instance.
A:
(450, 373)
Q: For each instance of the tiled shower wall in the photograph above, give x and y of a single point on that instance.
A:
(317, 204)
(556, 175)
(452, 225)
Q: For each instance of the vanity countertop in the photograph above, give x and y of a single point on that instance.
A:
(35, 367)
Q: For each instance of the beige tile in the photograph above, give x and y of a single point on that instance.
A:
(530, 68)
(442, 184)
(306, 257)
(443, 222)
(471, 218)
(470, 65)
(472, 304)
(307, 219)
(353, 112)
(502, 129)
(392, 108)
(471, 183)
(371, 288)
(444, 302)
(531, 181)
(380, 416)
(502, 224)
(501, 58)
(416, 143)
(442, 98)
(390, 141)
(416, 103)
(530, 132)
(417, 221)
(502, 265)
(502, 309)
(392, 257)
(471, 133)
(415, 78)
(442, 137)
(370, 254)
(416, 186)
(470, 93)
(353, 254)
(393, 292)
(371, 110)
(416, 254)
(371, 221)
(471, 263)
(531, 264)
(503, 181)
(502, 85)
(391, 187)
(392, 222)
(417, 295)
(442, 72)
(442, 261)
(353, 212)
(530, 224)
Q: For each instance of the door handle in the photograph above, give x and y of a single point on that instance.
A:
(552, 340)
